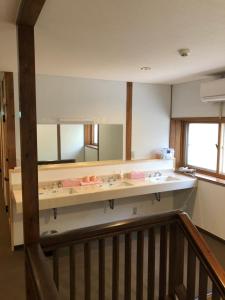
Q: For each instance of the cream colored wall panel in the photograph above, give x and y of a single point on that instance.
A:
(209, 208)
(151, 119)
(47, 142)
(187, 102)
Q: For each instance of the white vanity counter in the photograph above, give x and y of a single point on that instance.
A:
(66, 208)
(63, 197)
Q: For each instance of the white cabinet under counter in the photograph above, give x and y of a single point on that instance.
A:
(80, 206)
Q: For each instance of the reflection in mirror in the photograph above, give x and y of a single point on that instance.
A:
(61, 143)
(47, 142)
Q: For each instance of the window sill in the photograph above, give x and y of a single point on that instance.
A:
(207, 178)
(211, 179)
(92, 146)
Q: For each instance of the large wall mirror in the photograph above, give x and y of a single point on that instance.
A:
(61, 143)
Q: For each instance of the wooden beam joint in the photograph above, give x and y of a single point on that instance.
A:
(29, 12)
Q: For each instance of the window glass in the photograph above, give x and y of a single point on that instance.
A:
(222, 157)
(95, 140)
(202, 143)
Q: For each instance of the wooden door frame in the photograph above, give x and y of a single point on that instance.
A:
(8, 139)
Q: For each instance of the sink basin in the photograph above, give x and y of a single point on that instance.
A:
(57, 192)
(160, 179)
(114, 184)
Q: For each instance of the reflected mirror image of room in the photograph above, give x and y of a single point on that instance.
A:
(112, 150)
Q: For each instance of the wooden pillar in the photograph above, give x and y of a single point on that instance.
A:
(28, 14)
(129, 120)
(177, 140)
(28, 133)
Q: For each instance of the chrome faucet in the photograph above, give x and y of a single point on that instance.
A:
(157, 174)
(112, 178)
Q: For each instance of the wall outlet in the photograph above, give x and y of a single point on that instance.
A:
(134, 210)
(105, 207)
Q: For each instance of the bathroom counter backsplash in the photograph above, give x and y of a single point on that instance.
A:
(119, 168)
(94, 180)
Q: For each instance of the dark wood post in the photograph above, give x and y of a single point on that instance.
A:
(28, 133)
(27, 17)
(129, 120)
(28, 14)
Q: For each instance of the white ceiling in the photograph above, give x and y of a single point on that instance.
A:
(8, 10)
(8, 50)
(112, 39)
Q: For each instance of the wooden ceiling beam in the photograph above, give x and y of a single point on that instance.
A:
(29, 12)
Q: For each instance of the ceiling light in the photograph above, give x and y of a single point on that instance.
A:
(145, 68)
(184, 52)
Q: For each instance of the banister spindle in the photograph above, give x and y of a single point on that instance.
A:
(87, 272)
(101, 269)
(172, 259)
(163, 262)
(115, 268)
(179, 274)
(140, 262)
(56, 267)
(215, 293)
(191, 273)
(127, 292)
(203, 283)
(151, 264)
(72, 273)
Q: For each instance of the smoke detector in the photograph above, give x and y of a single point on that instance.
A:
(184, 52)
(145, 68)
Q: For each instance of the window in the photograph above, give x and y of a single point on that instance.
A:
(222, 152)
(91, 135)
(205, 147)
(95, 134)
(199, 143)
(202, 145)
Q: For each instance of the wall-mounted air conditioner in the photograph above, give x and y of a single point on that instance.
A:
(213, 91)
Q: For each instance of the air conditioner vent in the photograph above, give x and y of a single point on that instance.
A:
(213, 91)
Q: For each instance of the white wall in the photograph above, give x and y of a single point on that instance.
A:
(110, 142)
(47, 142)
(101, 101)
(91, 154)
(209, 207)
(67, 98)
(151, 119)
(187, 102)
(72, 141)
(80, 99)
(209, 204)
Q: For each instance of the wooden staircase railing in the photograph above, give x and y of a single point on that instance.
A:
(157, 257)
(42, 287)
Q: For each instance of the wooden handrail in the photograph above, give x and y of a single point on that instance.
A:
(68, 238)
(180, 227)
(205, 255)
(45, 288)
